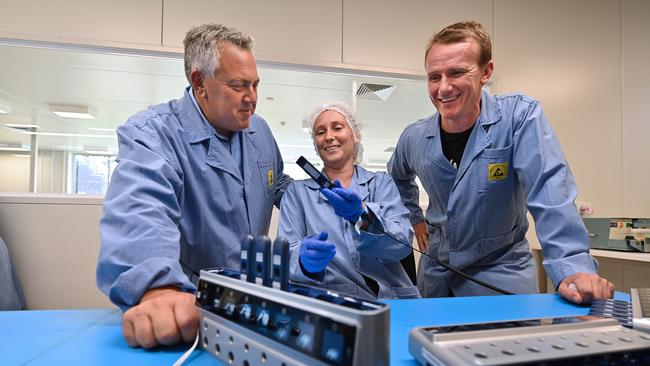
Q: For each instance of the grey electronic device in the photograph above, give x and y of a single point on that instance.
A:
(554, 341)
(314, 173)
(640, 308)
(251, 322)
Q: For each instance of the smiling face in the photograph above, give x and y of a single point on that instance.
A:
(454, 81)
(229, 97)
(334, 140)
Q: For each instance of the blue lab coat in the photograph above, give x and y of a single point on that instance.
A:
(178, 203)
(305, 211)
(477, 214)
(11, 293)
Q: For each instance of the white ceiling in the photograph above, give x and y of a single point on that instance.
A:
(116, 86)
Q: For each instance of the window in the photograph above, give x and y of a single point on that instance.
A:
(91, 173)
(76, 155)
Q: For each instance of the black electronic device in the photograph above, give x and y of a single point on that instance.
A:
(281, 258)
(311, 170)
(245, 323)
(247, 259)
(262, 260)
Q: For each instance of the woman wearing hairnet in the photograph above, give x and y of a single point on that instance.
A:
(337, 235)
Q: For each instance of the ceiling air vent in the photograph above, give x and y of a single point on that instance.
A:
(375, 91)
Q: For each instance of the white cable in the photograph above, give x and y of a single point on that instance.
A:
(187, 353)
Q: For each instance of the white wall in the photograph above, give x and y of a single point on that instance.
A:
(15, 172)
(116, 23)
(295, 31)
(635, 48)
(388, 34)
(54, 243)
(567, 55)
(51, 171)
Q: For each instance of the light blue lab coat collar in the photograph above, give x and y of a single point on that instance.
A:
(198, 130)
(195, 124)
(360, 182)
(478, 140)
(490, 114)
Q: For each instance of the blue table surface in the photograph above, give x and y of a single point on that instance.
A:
(94, 336)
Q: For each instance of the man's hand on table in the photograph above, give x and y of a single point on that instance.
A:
(582, 287)
(165, 316)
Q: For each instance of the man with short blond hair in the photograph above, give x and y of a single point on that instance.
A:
(485, 161)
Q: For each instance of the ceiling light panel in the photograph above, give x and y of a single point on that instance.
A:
(72, 111)
(5, 107)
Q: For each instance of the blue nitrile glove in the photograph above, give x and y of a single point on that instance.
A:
(316, 252)
(346, 203)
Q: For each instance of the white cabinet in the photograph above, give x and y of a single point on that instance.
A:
(393, 34)
(119, 23)
(567, 55)
(636, 97)
(293, 31)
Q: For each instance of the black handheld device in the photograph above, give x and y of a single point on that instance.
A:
(281, 258)
(262, 259)
(314, 173)
(246, 259)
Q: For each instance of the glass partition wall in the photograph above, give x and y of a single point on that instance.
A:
(60, 106)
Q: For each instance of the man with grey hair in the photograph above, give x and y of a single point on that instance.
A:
(195, 176)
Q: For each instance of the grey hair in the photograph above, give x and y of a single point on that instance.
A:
(202, 46)
(347, 113)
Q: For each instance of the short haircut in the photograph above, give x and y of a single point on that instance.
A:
(461, 31)
(202, 46)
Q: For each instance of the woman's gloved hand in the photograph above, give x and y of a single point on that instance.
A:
(316, 252)
(346, 203)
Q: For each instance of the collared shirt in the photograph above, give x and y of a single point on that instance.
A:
(512, 163)
(177, 201)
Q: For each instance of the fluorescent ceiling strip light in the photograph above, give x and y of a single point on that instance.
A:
(21, 149)
(72, 111)
(97, 129)
(20, 125)
(60, 134)
(5, 107)
(98, 152)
